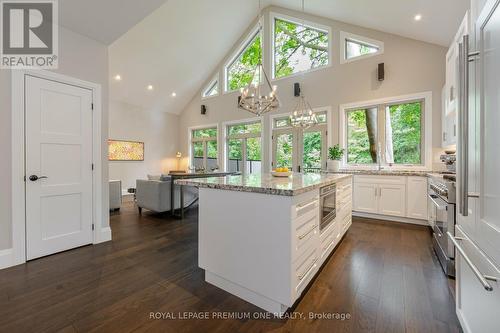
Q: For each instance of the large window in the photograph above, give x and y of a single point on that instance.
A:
(241, 69)
(389, 134)
(362, 136)
(244, 147)
(204, 148)
(302, 150)
(298, 47)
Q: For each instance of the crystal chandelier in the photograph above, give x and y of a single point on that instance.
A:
(259, 98)
(303, 115)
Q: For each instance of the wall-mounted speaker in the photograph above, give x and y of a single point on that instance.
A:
(203, 109)
(296, 89)
(381, 72)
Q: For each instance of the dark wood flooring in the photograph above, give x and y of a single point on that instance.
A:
(383, 274)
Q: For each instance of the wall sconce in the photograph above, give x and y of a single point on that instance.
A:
(178, 155)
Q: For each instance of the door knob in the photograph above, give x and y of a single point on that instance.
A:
(34, 178)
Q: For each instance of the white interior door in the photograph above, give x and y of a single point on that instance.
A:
(58, 166)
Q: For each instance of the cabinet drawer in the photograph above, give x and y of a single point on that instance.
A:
(345, 187)
(304, 269)
(380, 179)
(346, 223)
(343, 195)
(305, 234)
(346, 210)
(328, 242)
(344, 200)
(305, 207)
(330, 230)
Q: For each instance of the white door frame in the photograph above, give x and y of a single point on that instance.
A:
(18, 159)
(329, 130)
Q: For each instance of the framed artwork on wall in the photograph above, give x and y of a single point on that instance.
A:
(120, 150)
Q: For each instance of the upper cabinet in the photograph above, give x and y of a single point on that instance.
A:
(450, 89)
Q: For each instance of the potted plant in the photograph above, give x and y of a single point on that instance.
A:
(335, 154)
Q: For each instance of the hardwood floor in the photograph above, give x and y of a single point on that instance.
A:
(383, 275)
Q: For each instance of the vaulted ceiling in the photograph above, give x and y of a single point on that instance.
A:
(175, 45)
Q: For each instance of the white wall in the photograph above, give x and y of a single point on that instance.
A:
(411, 67)
(159, 132)
(79, 57)
(5, 161)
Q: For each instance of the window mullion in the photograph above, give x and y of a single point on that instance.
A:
(381, 134)
(244, 155)
(205, 154)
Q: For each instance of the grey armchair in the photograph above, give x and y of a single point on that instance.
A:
(154, 195)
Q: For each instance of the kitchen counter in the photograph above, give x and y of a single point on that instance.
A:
(265, 238)
(383, 172)
(265, 183)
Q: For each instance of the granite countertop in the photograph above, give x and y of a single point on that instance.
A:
(383, 172)
(193, 174)
(265, 183)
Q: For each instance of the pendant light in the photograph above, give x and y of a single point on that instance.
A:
(254, 98)
(303, 115)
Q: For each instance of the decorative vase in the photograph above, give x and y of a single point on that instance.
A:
(333, 165)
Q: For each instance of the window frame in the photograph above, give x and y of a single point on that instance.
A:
(295, 20)
(213, 83)
(227, 137)
(326, 127)
(257, 29)
(347, 36)
(191, 140)
(381, 104)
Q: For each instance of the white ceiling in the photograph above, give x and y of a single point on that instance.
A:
(104, 20)
(176, 48)
(179, 44)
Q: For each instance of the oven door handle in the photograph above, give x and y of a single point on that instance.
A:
(434, 199)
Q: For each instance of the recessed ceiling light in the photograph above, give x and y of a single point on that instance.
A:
(174, 94)
(150, 87)
(417, 17)
(118, 77)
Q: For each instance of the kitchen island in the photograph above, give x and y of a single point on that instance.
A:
(264, 238)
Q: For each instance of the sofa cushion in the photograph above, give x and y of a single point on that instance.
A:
(164, 178)
(154, 177)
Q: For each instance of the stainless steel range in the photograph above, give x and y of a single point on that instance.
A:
(442, 200)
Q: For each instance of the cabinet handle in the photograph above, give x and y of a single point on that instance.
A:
(301, 276)
(464, 58)
(307, 233)
(303, 206)
(482, 278)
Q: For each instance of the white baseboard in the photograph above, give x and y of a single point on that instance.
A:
(248, 295)
(104, 235)
(391, 218)
(6, 258)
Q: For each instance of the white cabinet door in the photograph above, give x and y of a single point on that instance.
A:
(416, 198)
(392, 200)
(365, 198)
(477, 308)
(488, 224)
